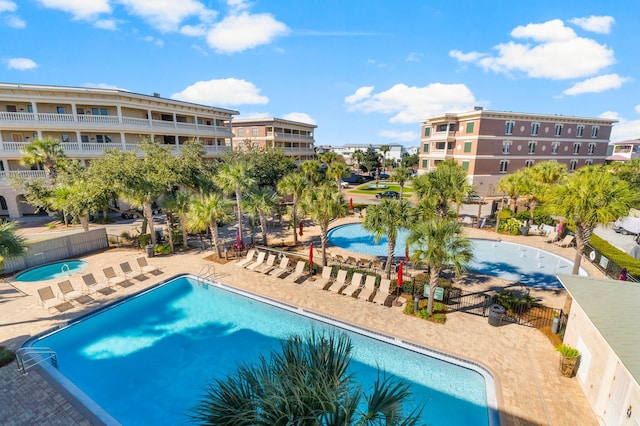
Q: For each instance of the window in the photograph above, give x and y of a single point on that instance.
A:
(427, 131)
(506, 147)
(508, 127)
(103, 111)
(441, 145)
(442, 128)
(470, 127)
(467, 146)
(504, 164)
(452, 127)
(558, 131)
(591, 148)
(60, 110)
(241, 132)
(425, 164)
(65, 138)
(572, 165)
(532, 147)
(594, 132)
(465, 166)
(84, 138)
(12, 108)
(535, 129)
(107, 139)
(254, 131)
(99, 139)
(94, 111)
(576, 148)
(588, 162)
(528, 163)
(425, 148)
(30, 108)
(451, 145)
(579, 131)
(199, 120)
(554, 147)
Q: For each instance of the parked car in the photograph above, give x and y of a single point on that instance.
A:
(132, 213)
(472, 199)
(388, 194)
(344, 184)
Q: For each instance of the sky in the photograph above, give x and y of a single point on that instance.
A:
(363, 71)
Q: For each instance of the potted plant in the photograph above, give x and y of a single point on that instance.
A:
(568, 359)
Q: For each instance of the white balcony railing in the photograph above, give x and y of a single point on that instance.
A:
(23, 174)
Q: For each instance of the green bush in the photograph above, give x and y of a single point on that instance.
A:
(6, 356)
(144, 240)
(523, 215)
(617, 256)
(510, 226)
(438, 315)
(162, 249)
(511, 301)
(567, 351)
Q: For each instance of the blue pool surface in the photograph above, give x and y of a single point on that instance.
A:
(147, 360)
(51, 271)
(510, 261)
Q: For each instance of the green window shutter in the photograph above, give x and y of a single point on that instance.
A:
(467, 146)
(427, 131)
(425, 164)
(470, 127)
(465, 166)
(425, 148)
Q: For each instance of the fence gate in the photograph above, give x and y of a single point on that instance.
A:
(471, 303)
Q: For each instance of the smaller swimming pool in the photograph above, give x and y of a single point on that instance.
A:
(52, 270)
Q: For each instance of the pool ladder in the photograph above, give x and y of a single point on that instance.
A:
(65, 269)
(30, 357)
(207, 272)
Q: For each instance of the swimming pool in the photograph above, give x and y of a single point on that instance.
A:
(510, 261)
(51, 271)
(147, 360)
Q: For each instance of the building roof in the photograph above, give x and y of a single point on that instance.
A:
(485, 113)
(267, 120)
(614, 309)
(617, 158)
(627, 142)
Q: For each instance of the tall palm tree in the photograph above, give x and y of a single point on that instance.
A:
(514, 186)
(439, 243)
(387, 218)
(11, 244)
(47, 152)
(307, 382)
(357, 156)
(182, 205)
(383, 150)
(260, 203)
(442, 185)
(235, 178)
(312, 169)
(207, 211)
(295, 184)
(590, 197)
(401, 175)
(324, 204)
(330, 157)
(337, 171)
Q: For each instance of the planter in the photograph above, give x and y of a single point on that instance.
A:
(568, 366)
(524, 230)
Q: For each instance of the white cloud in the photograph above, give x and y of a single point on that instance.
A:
(597, 84)
(194, 30)
(15, 22)
(8, 6)
(80, 9)
(21, 64)
(300, 117)
(400, 136)
(624, 129)
(150, 39)
(414, 57)
(596, 24)
(557, 53)
(249, 115)
(166, 15)
(228, 91)
(106, 24)
(237, 5)
(637, 109)
(413, 104)
(103, 86)
(236, 33)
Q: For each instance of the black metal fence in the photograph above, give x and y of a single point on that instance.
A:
(606, 265)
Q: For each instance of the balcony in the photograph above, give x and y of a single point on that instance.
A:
(74, 149)
(7, 176)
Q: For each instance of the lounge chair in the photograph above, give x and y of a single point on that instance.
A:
(383, 291)
(339, 282)
(552, 237)
(248, 259)
(377, 265)
(145, 268)
(282, 269)
(93, 285)
(325, 278)
(48, 299)
(298, 272)
(68, 292)
(113, 279)
(268, 265)
(340, 259)
(351, 261)
(258, 262)
(130, 273)
(369, 288)
(356, 281)
(566, 242)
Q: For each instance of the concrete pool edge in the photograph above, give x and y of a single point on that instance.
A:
(97, 415)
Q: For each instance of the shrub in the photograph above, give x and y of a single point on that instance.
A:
(512, 301)
(567, 351)
(615, 255)
(438, 311)
(510, 226)
(162, 249)
(144, 240)
(6, 356)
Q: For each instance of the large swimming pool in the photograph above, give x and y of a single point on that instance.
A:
(510, 261)
(148, 359)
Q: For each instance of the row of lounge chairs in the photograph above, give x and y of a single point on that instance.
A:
(269, 266)
(565, 242)
(67, 293)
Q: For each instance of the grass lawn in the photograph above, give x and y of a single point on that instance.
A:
(390, 186)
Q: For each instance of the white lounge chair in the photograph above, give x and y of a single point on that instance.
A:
(566, 242)
(268, 266)
(356, 281)
(369, 288)
(48, 299)
(298, 272)
(339, 282)
(130, 273)
(383, 291)
(93, 285)
(258, 262)
(248, 259)
(145, 268)
(282, 269)
(552, 237)
(114, 279)
(325, 278)
(68, 292)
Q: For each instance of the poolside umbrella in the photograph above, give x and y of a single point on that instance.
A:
(351, 203)
(238, 239)
(400, 275)
(406, 252)
(301, 225)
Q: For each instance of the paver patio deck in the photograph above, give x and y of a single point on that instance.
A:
(530, 389)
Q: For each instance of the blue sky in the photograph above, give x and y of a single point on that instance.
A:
(363, 71)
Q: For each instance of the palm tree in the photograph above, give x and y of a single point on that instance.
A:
(401, 175)
(513, 185)
(11, 244)
(590, 197)
(337, 171)
(260, 203)
(442, 185)
(383, 150)
(177, 203)
(324, 204)
(330, 157)
(312, 169)
(307, 382)
(235, 178)
(295, 184)
(357, 156)
(439, 243)
(208, 211)
(387, 218)
(47, 152)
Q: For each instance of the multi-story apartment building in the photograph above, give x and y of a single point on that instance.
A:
(88, 121)
(624, 150)
(394, 154)
(490, 144)
(294, 138)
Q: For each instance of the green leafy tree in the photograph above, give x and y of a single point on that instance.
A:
(439, 242)
(260, 203)
(370, 161)
(628, 171)
(207, 211)
(324, 204)
(294, 184)
(587, 198)
(235, 178)
(268, 165)
(193, 171)
(401, 175)
(46, 152)
(409, 161)
(445, 184)
(307, 382)
(11, 244)
(386, 219)
(177, 204)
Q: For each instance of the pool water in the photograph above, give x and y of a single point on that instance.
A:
(51, 271)
(147, 360)
(510, 261)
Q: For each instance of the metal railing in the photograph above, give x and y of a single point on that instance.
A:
(32, 356)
